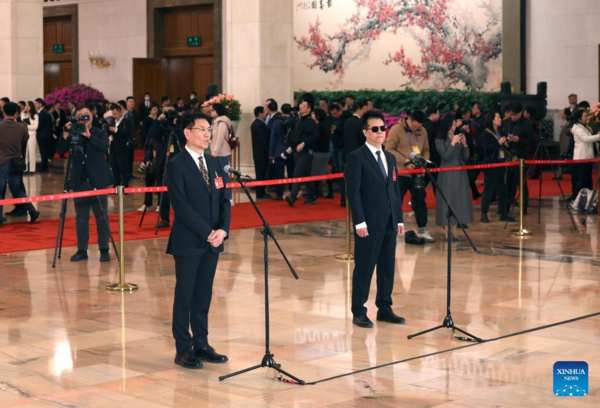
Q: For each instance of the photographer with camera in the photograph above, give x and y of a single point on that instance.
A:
(90, 172)
(169, 138)
(409, 136)
(121, 133)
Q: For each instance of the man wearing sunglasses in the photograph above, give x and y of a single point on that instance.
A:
(202, 215)
(406, 137)
(374, 197)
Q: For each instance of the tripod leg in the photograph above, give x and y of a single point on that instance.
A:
(142, 219)
(62, 227)
(477, 339)
(299, 381)
(410, 336)
(245, 370)
(59, 235)
(105, 219)
(561, 191)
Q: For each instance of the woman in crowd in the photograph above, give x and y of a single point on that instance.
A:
(150, 147)
(495, 181)
(219, 147)
(31, 119)
(452, 146)
(321, 152)
(584, 149)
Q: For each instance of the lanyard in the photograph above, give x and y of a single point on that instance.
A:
(409, 138)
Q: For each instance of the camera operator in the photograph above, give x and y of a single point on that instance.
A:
(406, 137)
(121, 133)
(90, 171)
(165, 127)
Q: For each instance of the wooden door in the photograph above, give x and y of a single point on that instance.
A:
(57, 75)
(180, 78)
(203, 75)
(58, 67)
(149, 75)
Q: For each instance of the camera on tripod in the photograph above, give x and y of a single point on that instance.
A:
(77, 127)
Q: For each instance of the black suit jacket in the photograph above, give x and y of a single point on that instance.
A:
(372, 198)
(96, 167)
(260, 140)
(197, 212)
(44, 130)
(144, 111)
(124, 133)
(353, 135)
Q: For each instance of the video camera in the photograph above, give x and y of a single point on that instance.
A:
(77, 127)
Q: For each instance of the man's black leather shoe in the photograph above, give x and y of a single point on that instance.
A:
(209, 354)
(17, 212)
(362, 321)
(186, 359)
(164, 224)
(79, 256)
(390, 317)
(485, 219)
(507, 217)
(34, 216)
(104, 256)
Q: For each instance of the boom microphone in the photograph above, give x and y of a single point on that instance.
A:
(235, 172)
(415, 156)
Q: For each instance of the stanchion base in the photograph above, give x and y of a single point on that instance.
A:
(521, 233)
(125, 287)
(345, 257)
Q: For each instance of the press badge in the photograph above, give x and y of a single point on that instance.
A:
(218, 182)
(172, 149)
(416, 149)
(394, 173)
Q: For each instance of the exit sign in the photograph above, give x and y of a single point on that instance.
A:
(193, 42)
(58, 48)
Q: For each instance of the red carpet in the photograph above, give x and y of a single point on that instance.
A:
(22, 236)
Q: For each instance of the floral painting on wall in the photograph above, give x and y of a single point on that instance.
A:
(390, 44)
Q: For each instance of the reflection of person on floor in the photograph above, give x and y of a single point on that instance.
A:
(374, 197)
(90, 172)
(202, 217)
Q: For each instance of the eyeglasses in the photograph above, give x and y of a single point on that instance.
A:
(376, 129)
(202, 129)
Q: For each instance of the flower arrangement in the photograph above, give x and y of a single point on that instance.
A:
(78, 93)
(594, 115)
(232, 105)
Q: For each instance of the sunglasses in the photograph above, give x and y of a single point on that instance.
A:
(376, 129)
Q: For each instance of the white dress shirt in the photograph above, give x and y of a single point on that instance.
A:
(196, 156)
(374, 151)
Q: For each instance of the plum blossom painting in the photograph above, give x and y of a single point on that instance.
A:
(389, 44)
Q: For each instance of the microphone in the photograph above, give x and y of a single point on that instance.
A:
(420, 158)
(235, 172)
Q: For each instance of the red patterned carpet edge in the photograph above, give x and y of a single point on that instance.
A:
(23, 236)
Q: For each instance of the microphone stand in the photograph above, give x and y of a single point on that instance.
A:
(448, 322)
(267, 360)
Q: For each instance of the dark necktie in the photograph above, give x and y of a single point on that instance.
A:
(381, 166)
(204, 172)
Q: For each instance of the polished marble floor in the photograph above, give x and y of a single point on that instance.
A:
(66, 342)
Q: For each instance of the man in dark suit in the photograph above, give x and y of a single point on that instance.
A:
(353, 129)
(145, 107)
(260, 148)
(90, 171)
(121, 132)
(202, 216)
(44, 132)
(374, 198)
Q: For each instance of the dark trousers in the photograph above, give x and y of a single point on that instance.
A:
(512, 183)
(417, 199)
(14, 184)
(303, 168)
(473, 174)
(280, 169)
(260, 166)
(494, 183)
(22, 187)
(150, 180)
(82, 218)
(193, 293)
(121, 167)
(44, 145)
(378, 249)
(584, 177)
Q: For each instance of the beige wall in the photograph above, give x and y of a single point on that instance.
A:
(21, 30)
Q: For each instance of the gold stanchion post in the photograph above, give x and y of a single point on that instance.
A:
(521, 232)
(348, 256)
(122, 286)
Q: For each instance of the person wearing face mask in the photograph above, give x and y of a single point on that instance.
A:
(452, 145)
(90, 171)
(145, 108)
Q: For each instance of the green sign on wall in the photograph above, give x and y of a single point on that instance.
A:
(58, 48)
(193, 42)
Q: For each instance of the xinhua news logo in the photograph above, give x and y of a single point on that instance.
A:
(571, 379)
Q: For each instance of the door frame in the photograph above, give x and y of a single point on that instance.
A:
(155, 27)
(68, 10)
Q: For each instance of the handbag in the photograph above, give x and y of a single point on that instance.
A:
(232, 140)
(17, 166)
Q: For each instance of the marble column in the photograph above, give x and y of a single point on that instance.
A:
(21, 49)
(257, 63)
